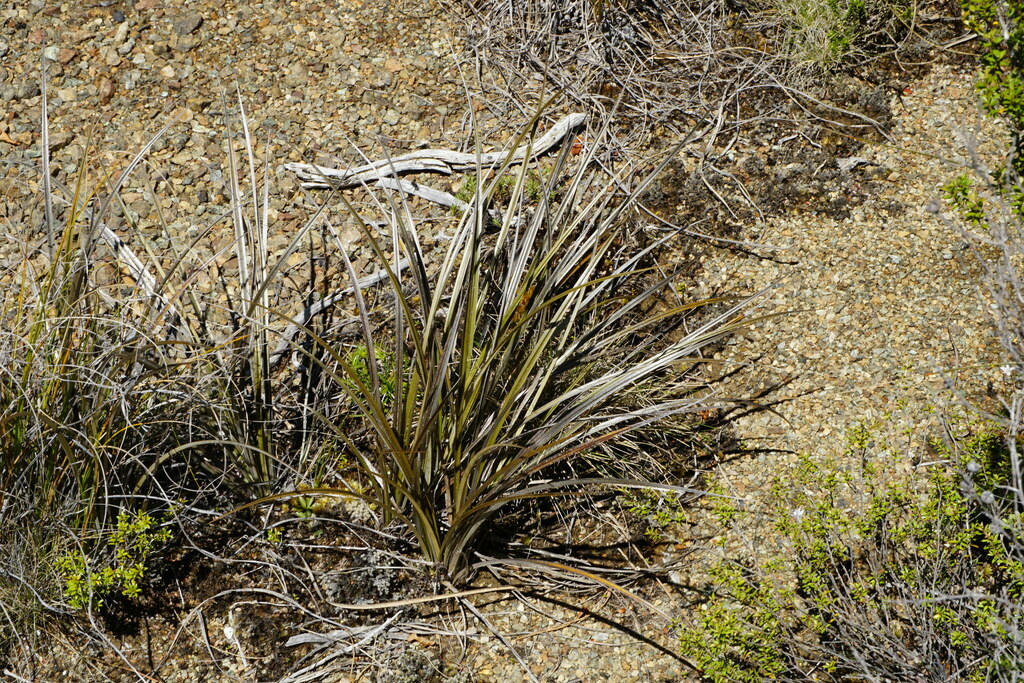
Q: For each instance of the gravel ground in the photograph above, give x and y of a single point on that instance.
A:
(885, 299)
(884, 306)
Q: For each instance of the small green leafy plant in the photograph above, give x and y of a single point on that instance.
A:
(999, 25)
(358, 359)
(658, 510)
(880, 581)
(962, 196)
(88, 582)
(504, 185)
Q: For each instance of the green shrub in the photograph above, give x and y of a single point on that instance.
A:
(89, 581)
(999, 25)
(1000, 28)
(657, 510)
(880, 581)
(963, 197)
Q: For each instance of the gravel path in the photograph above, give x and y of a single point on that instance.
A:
(884, 301)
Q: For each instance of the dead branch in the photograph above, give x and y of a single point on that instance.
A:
(440, 161)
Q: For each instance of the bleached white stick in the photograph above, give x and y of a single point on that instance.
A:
(441, 161)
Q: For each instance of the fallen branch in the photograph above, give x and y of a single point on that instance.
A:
(419, 190)
(440, 161)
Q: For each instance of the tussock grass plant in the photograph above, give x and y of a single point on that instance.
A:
(524, 347)
(80, 413)
(116, 398)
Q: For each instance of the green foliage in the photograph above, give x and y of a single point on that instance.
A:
(88, 582)
(738, 633)
(358, 360)
(962, 196)
(722, 506)
(504, 186)
(658, 510)
(873, 571)
(1000, 28)
(999, 25)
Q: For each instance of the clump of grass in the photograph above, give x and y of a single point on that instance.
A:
(105, 390)
(83, 396)
(528, 345)
(825, 35)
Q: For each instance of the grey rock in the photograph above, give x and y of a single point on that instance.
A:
(187, 24)
(26, 91)
(60, 140)
(296, 76)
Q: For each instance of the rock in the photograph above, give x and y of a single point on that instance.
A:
(4, 47)
(26, 91)
(106, 89)
(51, 52)
(183, 114)
(60, 140)
(118, 17)
(109, 55)
(296, 76)
(187, 24)
(167, 71)
(65, 55)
